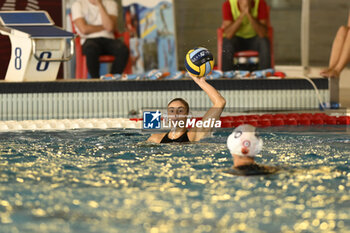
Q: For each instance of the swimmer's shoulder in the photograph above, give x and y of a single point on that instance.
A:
(270, 168)
(156, 138)
(254, 170)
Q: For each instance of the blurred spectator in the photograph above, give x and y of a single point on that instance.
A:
(245, 28)
(96, 22)
(340, 54)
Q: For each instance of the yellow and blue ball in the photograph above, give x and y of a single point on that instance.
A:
(199, 62)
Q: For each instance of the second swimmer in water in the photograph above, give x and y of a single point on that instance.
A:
(178, 110)
(244, 145)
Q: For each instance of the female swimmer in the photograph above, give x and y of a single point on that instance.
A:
(178, 110)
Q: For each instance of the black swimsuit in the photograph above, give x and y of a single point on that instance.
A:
(182, 138)
(253, 170)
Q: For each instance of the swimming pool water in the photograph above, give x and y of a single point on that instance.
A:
(111, 181)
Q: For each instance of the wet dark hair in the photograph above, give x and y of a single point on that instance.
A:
(184, 102)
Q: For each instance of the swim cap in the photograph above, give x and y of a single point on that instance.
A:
(244, 142)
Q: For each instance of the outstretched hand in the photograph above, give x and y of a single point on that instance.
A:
(197, 79)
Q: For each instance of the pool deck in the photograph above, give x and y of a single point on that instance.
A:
(62, 90)
(344, 84)
(62, 98)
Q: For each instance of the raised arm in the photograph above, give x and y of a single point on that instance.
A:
(213, 113)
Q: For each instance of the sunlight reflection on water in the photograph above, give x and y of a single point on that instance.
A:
(111, 181)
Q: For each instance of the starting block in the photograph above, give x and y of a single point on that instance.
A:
(37, 45)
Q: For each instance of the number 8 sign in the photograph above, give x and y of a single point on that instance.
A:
(38, 46)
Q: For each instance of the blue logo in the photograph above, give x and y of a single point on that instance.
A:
(151, 119)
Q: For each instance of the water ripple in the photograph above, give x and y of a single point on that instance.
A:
(111, 181)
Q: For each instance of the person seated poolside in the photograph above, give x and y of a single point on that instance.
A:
(178, 111)
(245, 28)
(340, 55)
(244, 145)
